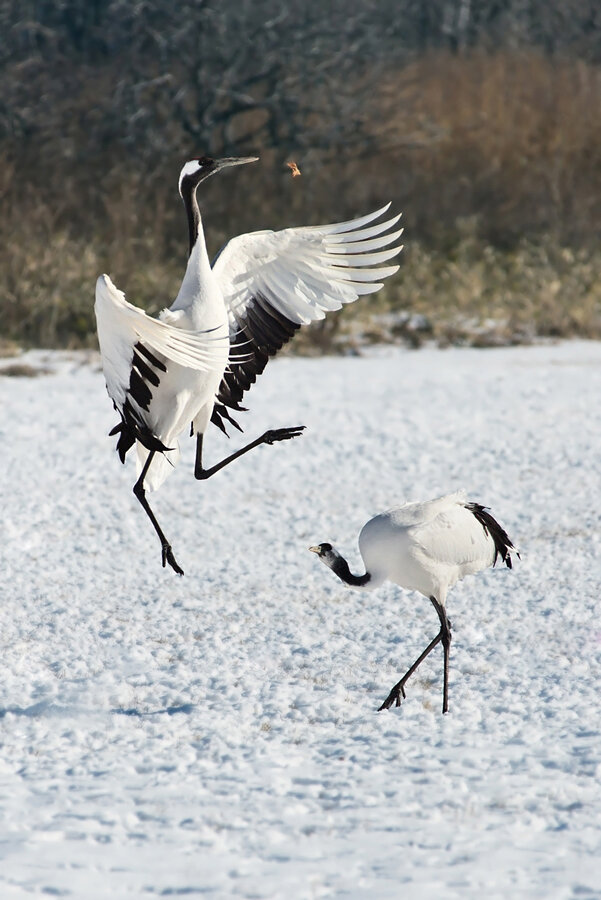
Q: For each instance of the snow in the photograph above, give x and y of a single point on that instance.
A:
(216, 735)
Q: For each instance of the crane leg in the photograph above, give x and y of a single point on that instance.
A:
(140, 493)
(444, 635)
(399, 688)
(270, 437)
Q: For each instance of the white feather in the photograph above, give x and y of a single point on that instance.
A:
(195, 362)
(426, 547)
(120, 324)
(305, 272)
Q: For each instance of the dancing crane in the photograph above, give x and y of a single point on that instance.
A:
(426, 547)
(193, 364)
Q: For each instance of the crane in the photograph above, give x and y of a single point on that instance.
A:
(193, 365)
(427, 547)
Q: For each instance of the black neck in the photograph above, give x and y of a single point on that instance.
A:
(192, 211)
(340, 568)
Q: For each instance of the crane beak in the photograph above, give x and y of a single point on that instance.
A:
(234, 161)
(314, 549)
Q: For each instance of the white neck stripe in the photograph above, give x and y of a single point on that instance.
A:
(190, 168)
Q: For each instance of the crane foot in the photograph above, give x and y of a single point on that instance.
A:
(281, 434)
(168, 557)
(394, 697)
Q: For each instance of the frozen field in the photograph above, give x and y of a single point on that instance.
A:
(216, 735)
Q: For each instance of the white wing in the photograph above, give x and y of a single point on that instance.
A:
(456, 538)
(122, 328)
(423, 512)
(275, 281)
(136, 351)
(464, 535)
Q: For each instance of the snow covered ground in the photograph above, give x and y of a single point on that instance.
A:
(216, 735)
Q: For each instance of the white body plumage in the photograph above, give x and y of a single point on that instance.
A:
(426, 546)
(186, 397)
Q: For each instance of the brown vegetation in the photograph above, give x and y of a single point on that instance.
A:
(510, 138)
(495, 159)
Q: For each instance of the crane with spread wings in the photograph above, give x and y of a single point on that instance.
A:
(193, 365)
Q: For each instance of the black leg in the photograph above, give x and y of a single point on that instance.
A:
(399, 688)
(140, 493)
(270, 437)
(443, 635)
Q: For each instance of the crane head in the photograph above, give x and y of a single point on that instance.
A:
(330, 557)
(326, 553)
(201, 167)
(321, 549)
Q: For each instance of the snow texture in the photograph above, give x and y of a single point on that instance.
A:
(216, 735)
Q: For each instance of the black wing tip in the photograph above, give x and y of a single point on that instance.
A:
(139, 346)
(261, 331)
(130, 431)
(221, 413)
(503, 543)
(132, 426)
(126, 440)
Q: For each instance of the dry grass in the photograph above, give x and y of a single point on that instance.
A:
(496, 161)
(475, 295)
(511, 139)
(22, 370)
(472, 292)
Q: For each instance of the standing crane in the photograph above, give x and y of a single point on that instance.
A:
(193, 364)
(426, 547)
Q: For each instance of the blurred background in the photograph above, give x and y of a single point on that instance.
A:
(479, 119)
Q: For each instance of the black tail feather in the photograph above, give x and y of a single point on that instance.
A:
(129, 433)
(502, 541)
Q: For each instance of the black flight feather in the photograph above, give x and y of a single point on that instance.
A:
(132, 426)
(501, 539)
(262, 331)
